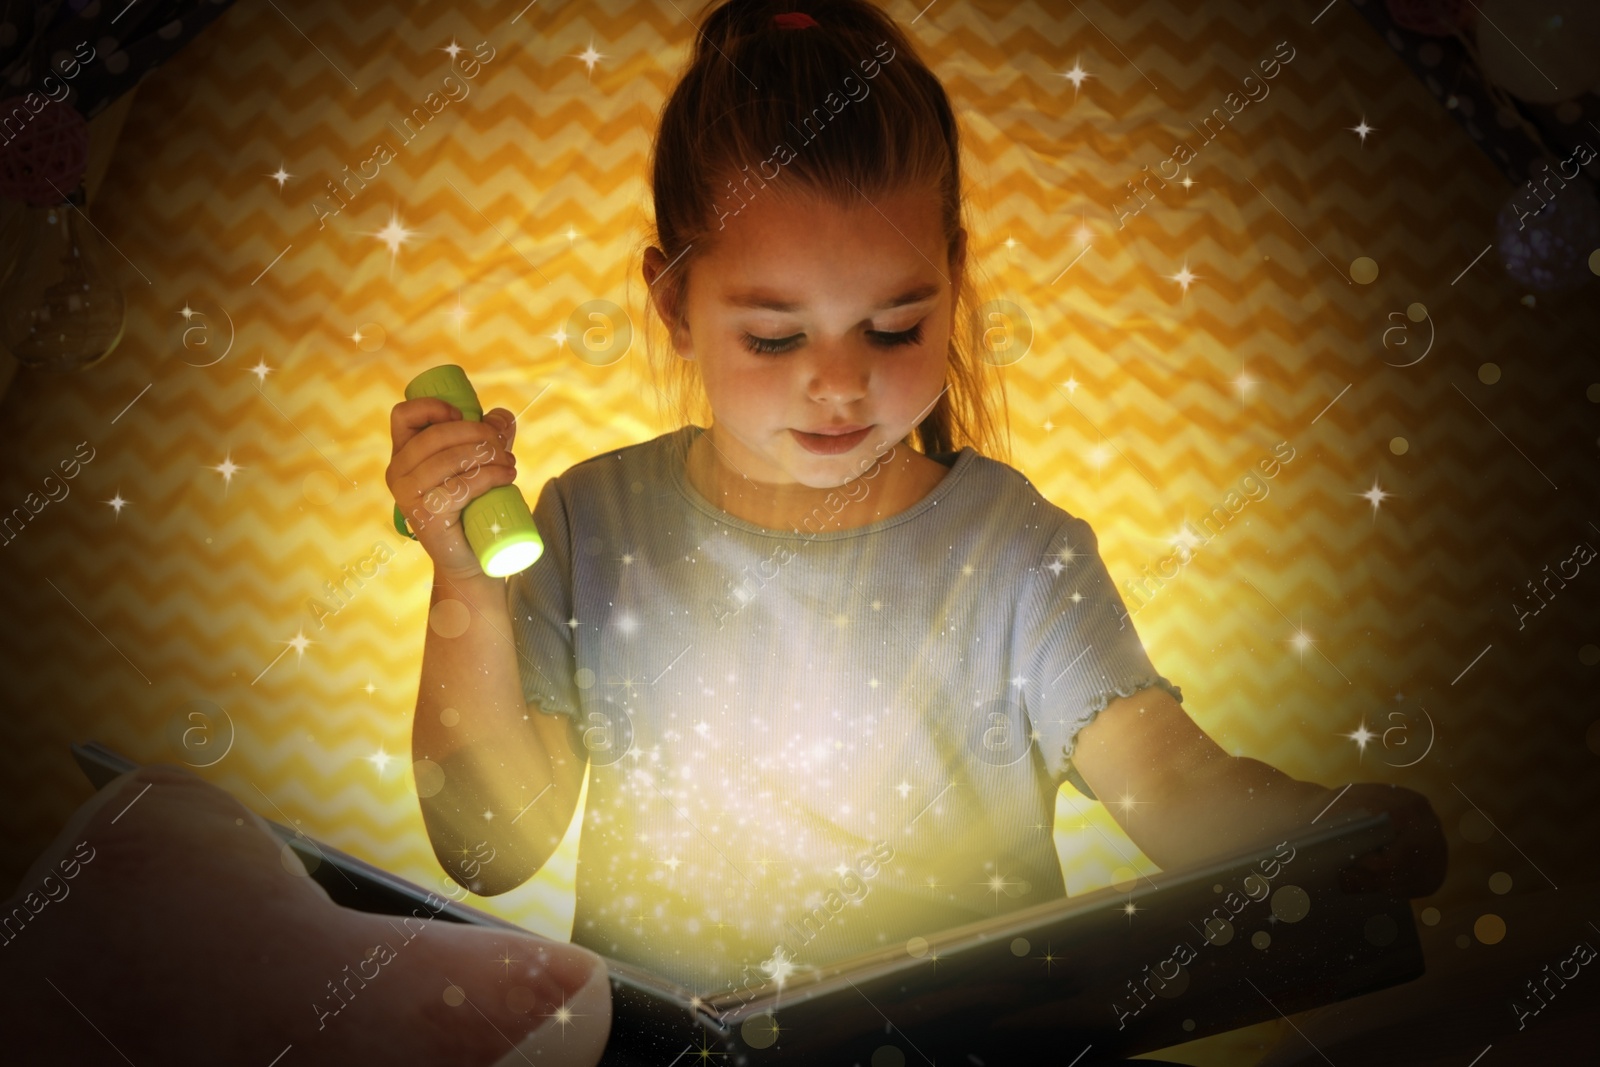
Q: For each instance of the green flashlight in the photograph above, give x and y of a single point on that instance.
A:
(498, 524)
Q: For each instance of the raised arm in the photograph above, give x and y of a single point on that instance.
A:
(1182, 799)
(510, 772)
(497, 778)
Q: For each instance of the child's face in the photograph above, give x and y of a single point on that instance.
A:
(843, 357)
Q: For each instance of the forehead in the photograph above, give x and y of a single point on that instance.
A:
(799, 248)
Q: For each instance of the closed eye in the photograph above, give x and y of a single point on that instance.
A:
(772, 346)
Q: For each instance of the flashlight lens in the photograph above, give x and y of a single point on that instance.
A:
(513, 558)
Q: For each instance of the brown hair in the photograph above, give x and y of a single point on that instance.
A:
(747, 88)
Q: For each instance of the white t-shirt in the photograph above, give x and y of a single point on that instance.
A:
(807, 746)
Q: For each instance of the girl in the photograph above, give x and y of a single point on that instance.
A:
(826, 661)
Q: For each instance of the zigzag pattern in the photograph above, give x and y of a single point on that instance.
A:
(197, 589)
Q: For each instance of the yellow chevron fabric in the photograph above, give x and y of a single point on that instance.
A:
(1170, 356)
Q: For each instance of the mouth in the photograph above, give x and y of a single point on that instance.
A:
(830, 444)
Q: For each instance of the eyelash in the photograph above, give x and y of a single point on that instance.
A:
(777, 346)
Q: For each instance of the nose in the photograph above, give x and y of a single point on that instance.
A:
(836, 374)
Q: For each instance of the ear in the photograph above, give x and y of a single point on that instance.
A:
(667, 298)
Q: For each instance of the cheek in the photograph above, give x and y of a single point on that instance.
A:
(741, 389)
(915, 380)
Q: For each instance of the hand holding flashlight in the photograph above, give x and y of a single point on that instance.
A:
(451, 474)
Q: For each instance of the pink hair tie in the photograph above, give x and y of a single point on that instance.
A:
(793, 20)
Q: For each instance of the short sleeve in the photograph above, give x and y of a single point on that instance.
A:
(1079, 646)
(540, 600)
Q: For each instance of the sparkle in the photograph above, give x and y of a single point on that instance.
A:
(1049, 958)
(454, 49)
(1184, 277)
(226, 468)
(1076, 76)
(997, 884)
(1376, 496)
(1127, 803)
(1010, 243)
(459, 314)
(966, 570)
(370, 688)
(299, 643)
(904, 789)
(280, 176)
(590, 57)
(1361, 735)
(1048, 425)
(1188, 182)
(672, 864)
(1130, 909)
(261, 370)
(779, 967)
(1099, 455)
(188, 312)
(117, 503)
(1070, 385)
(394, 235)
(562, 1015)
(1084, 235)
(1019, 681)
(507, 959)
(1302, 641)
(1185, 541)
(872, 683)
(627, 559)
(560, 336)
(627, 684)
(380, 760)
(571, 235)
(488, 816)
(1362, 130)
(1244, 384)
(1075, 597)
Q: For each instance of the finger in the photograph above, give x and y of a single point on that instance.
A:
(442, 486)
(451, 465)
(410, 417)
(504, 422)
(435, 439)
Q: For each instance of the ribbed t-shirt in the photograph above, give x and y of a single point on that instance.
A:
(804, 746)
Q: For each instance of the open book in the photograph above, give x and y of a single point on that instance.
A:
(1180, 955)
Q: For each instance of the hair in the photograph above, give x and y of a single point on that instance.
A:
(901, 134)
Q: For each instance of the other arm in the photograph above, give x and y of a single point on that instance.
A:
(1188, 800)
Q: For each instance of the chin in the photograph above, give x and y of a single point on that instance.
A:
(821, 472)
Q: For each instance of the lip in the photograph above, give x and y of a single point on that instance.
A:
(831, 444)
